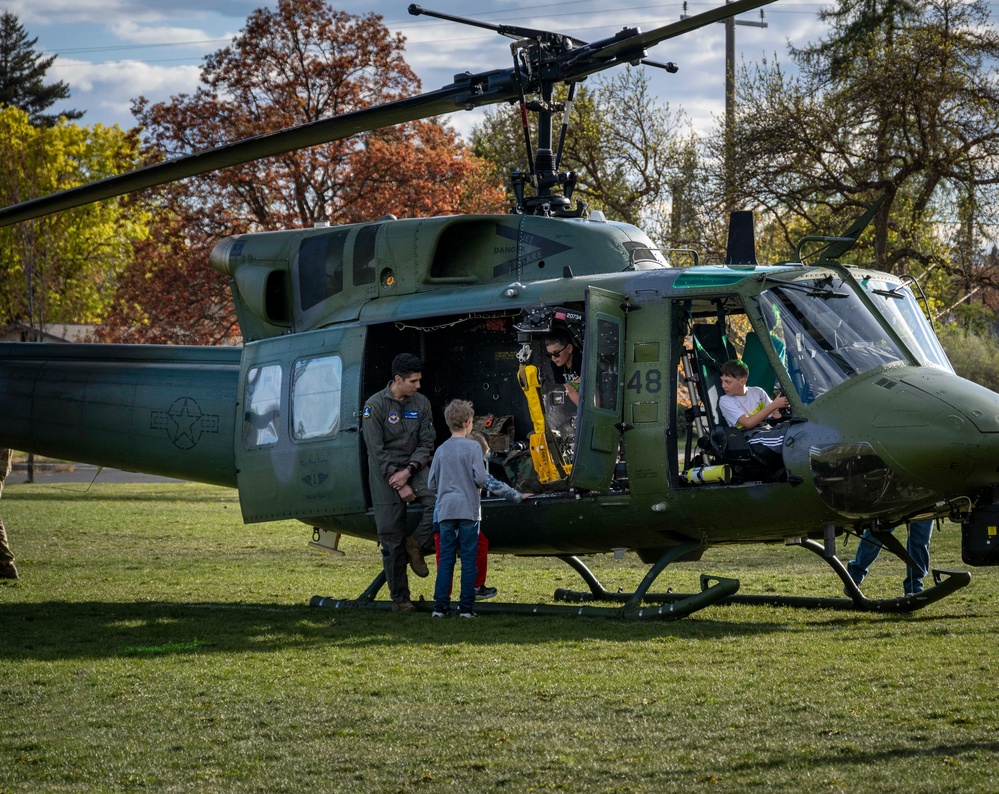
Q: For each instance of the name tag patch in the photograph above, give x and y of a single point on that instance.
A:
(411, 414)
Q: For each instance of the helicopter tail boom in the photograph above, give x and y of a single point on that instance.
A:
(157, 409)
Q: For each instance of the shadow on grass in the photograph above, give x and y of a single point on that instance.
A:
(875, 757)
(95, 630)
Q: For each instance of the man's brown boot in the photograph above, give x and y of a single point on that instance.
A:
(416, 561)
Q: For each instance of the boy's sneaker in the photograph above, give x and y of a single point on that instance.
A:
(442, 612)
(467, 613)
(482, 593)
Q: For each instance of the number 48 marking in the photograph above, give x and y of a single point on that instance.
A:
(653, 381)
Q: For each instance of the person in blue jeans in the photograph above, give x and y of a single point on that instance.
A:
(918, 546)
(457, 473)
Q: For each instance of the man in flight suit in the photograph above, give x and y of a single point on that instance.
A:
(398, 431)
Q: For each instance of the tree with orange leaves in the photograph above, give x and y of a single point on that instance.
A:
(292, 65)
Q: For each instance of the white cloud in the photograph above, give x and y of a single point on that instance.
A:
(106, 90)
(60, 12)
(103, 30)
(128, 30)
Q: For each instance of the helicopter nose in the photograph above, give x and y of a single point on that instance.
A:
(939, 430)
(907, 438)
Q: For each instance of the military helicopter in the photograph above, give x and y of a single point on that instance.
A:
(880, 430)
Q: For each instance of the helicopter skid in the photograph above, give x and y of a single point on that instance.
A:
(714, 590)
(643, 605)
(945, 582)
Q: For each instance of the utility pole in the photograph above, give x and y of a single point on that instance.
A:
(730, 24)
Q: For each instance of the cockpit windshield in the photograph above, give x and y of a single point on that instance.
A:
(827, 333)
(900, 308)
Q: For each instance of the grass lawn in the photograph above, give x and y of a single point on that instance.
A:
(155, 643)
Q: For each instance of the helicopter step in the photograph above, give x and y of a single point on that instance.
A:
(714, 590)
(945, 582)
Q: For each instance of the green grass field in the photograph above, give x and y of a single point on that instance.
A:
(155, 643)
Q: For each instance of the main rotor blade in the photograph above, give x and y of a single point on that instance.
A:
(485, 88)
(627, 48)
(656, 35)
(267, 145)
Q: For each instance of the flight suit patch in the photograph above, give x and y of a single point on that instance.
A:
(393, 417)
(366, 413)
(411, 414)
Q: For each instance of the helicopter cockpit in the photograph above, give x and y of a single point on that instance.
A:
(808, 335)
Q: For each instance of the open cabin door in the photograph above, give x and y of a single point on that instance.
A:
(297, 438)
(601, 395)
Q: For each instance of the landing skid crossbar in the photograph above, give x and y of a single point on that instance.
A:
(713, 590)
(945, 582)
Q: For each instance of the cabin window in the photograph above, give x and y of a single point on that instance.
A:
(608, 363)
(315, 397)
(320, 267)
(263, 405)
(364, 255)
(641, 257)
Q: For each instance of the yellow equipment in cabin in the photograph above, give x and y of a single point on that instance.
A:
(548, 467)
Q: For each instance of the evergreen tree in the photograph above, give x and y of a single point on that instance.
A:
(22, 71)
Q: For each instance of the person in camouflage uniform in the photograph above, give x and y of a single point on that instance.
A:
(398, 430)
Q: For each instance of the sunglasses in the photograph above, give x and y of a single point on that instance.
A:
(557, 353)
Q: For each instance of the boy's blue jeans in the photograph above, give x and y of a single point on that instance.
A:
(918, 546)
(455, 533)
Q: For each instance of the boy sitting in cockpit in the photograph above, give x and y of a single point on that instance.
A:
(750, 409)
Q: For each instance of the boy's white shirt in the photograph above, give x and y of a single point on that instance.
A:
(733, 406)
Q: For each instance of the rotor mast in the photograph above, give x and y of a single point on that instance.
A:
(536, 55)
(542, 59)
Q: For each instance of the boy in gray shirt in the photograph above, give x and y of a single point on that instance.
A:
(456, 475)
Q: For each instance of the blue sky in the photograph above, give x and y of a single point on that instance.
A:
(111, 51)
